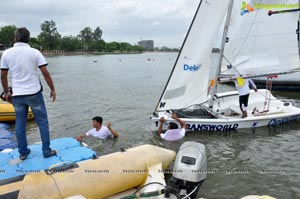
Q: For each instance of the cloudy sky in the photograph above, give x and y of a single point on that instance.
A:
(164, 21)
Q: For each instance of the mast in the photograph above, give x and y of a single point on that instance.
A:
(219, 63)
(298, 32)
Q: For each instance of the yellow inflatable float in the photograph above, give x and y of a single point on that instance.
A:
(7, 112)
(98, 178)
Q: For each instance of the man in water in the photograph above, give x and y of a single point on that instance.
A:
(173, 133)
(100, 131)
(243, 87)
(23, 63)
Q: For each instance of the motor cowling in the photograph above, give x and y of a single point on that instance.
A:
(189, 171)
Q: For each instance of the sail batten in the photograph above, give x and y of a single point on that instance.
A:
(189, 80)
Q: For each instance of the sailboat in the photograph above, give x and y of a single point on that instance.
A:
(193, 96)
(265, 41)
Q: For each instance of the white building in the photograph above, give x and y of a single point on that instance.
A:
(148, 45)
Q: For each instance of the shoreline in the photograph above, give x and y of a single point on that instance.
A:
(64, 53)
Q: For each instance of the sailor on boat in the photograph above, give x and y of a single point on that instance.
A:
(173, 133)
(243, 87)
(100, 131)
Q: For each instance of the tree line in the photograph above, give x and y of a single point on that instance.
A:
(87, 40)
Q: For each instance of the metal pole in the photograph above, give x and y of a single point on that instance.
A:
(282, 11)
(219, 63)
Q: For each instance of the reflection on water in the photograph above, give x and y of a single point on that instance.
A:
(124, 89)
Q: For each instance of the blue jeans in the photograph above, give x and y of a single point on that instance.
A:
(37, 105)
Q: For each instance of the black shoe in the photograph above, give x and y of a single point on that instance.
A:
(51, 153)
(24, 156)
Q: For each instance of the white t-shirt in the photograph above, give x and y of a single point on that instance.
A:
(245, 89)
(23, 62)
(103, 133)
(173, 134)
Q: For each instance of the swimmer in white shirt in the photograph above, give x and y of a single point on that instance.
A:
(100, 131)
(173, 133)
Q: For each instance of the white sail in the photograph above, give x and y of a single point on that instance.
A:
(189, 79)
(262, 44)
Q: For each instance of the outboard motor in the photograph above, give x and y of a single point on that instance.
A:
(189, 171)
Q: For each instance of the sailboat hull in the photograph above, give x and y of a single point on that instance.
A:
(288, 82)
(284, 82)
(263, 110)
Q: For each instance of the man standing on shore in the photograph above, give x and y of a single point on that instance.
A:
(23, 63)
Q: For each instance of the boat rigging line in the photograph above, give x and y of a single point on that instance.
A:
(271, 12)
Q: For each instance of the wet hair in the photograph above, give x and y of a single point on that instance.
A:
(173, 125)
(98, 119)
(22, 35)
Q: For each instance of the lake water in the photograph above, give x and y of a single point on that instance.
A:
(125, 89)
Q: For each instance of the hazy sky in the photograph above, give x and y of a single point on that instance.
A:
(164, 21)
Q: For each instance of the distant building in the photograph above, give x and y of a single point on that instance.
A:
(148, 45)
